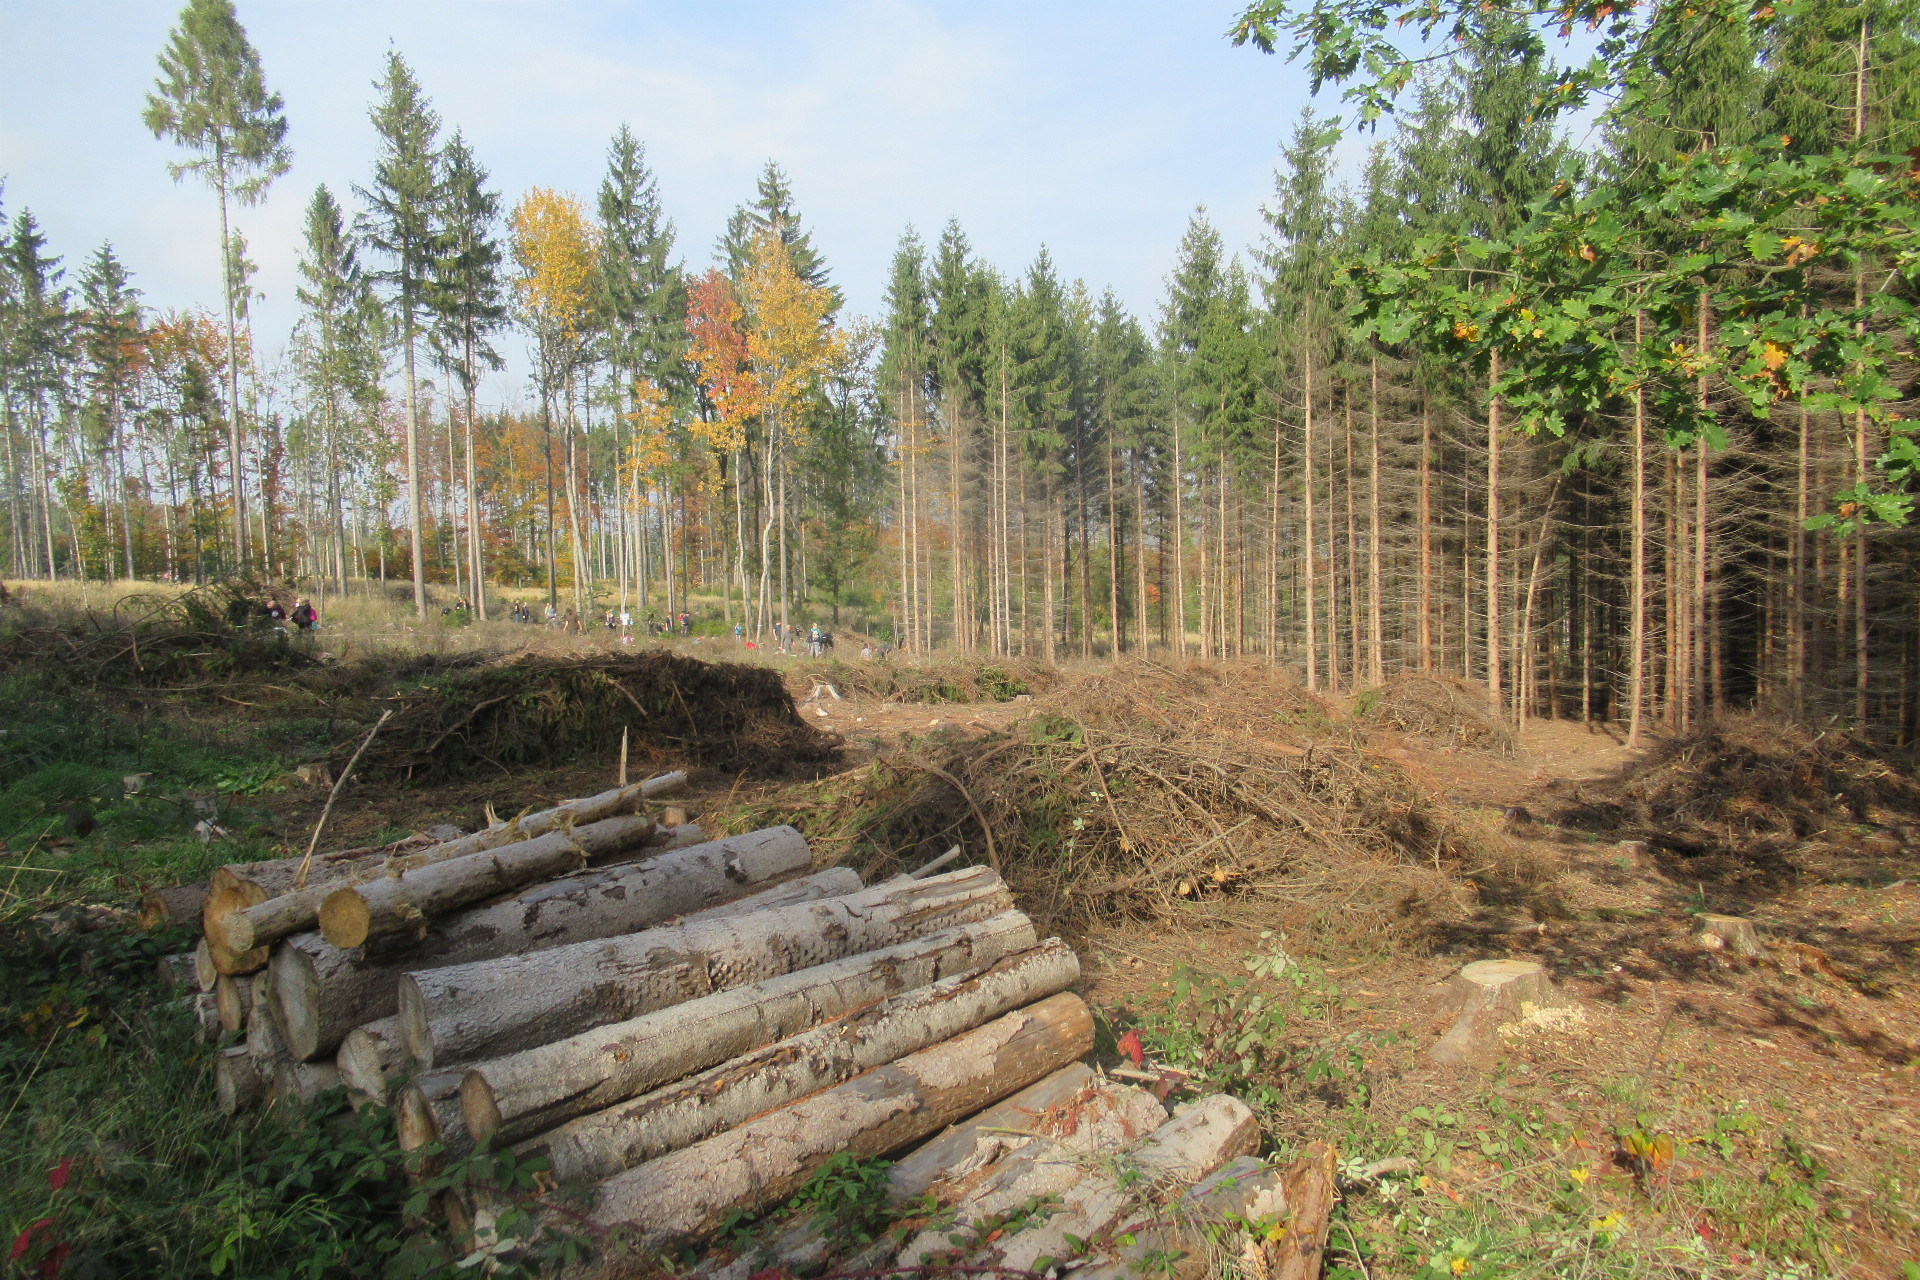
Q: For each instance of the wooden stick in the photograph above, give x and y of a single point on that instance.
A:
(300, 879)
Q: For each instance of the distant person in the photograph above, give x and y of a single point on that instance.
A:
(276, 613)
(304, 616)
(686, 624)
(552, 615)
(866, 653)
(739, 630)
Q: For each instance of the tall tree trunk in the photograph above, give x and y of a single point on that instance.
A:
(1376, 659)
(1638, 551)
(1700, 535)
(1311, 549)
(1495, 699)
(1426, 532)
(1179, 544)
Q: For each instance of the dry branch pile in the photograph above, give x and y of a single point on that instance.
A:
(928, 680)
(1436, 709)
(1132, 791)
(1749, 798)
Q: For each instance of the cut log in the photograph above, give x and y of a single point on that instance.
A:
(298, 911)
(1200, 1138)
(428, 1110)
(801, 1248)
(1173, 1243)
(597, 1146)
(204, 1009)
(233, 996)
(522, 1094)
(1731, 933)
(469, 1012)
(678, 837)
(180, 973)
(264, 1040)
(689, 1194)
(240, 887)
(180, 904)
(298, 1083)
(351, 915)
(205, 972)
(1492, 1001)
(1308, 1189)
(370, 1060)
(238, 1081)
(324, 992)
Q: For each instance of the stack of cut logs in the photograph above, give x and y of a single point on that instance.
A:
(688, 1030)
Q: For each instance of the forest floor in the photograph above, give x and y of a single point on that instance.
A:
(1705, 1115)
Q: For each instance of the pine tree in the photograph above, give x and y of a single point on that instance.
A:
(645, 294)
(772, 210)
(211, 98)
(40, 348)
(337, 351)
(110, 332)
(401, 224)
(905, 382)
(468, 296)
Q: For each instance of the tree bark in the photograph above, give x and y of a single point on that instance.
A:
(687, 1195)
(521, 1094)
(354, 914)
(1495, 699)
(463, 1013)
(321, 992)
(372, 1059)
(597, 1146)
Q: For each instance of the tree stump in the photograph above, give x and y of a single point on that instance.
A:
(1492, 1000)
(1726, 933)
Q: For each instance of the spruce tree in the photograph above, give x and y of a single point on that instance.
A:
(401, 224)
(644, 293)
(468, 296)
(39, 350)
(772, 210)
(336, 349)
(110, 328)
(212, 99)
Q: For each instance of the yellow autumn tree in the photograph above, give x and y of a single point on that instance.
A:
(556, 248)
(791, 345)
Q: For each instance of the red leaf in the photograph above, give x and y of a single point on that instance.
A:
(24, 1241)
(51, 1264)
(1130, 1045)
(57, 1176)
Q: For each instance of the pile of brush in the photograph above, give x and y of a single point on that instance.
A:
(1143, 789)
(1439, 710)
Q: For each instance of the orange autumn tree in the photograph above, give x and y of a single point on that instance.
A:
(791, 346)
(556, 248)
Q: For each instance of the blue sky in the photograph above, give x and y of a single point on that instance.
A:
(1092, 127)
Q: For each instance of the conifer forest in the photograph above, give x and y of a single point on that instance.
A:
(1593, 384)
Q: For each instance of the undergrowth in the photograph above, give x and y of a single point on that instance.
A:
(1500, 1179)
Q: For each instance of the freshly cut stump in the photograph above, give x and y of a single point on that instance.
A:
(1493, 999)
(600, 1145)
(1734, 934)
(689, 1194)
(522, 1094)
(468, 1012)
(322, 991)
(370, 1058)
